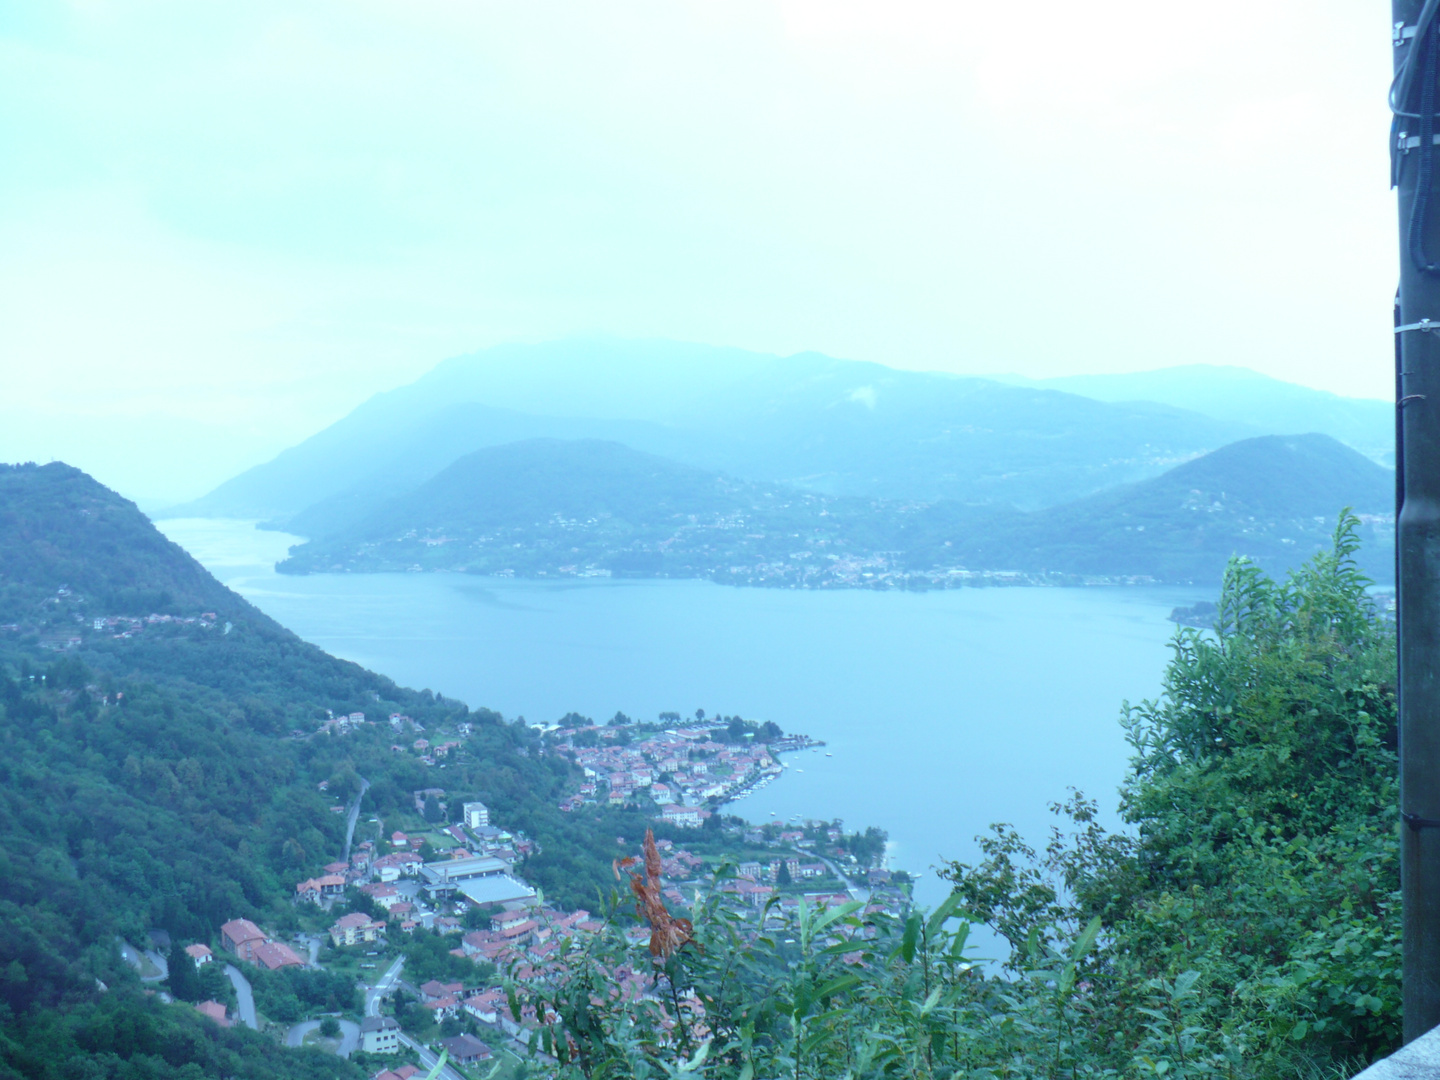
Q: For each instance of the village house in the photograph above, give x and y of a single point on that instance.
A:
(466, 1049)
(443, 1008)
(403, 1072)
(215, 1011)
(355, 928)
(272, 955)
(200, 954)
(434, 990)
(486, 1005)
(387, 896)
(238, 932)
(379, 1035)
(317, 889)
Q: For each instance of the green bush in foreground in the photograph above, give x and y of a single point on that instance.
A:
(1247, 925)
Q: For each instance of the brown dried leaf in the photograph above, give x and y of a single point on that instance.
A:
(667, 933)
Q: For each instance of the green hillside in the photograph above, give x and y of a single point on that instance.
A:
(1270, 499)
(164, 771)
(555, 508)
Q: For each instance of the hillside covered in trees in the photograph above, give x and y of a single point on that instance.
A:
(557, 508)
(164, 772)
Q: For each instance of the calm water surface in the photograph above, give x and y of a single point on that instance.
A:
(942, 711)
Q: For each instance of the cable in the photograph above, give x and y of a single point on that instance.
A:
(1400, 85)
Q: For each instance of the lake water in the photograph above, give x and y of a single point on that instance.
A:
(942, 711)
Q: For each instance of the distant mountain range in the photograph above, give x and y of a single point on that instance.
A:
(832, 426)
(1242, 396)
(1035, 476)
(558, 508)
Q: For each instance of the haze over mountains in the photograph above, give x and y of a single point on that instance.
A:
(798, 437)
(558, 508)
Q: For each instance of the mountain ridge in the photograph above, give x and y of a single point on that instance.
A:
(837, 426)
(549, 508)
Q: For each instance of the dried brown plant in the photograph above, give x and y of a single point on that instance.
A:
(667, 933)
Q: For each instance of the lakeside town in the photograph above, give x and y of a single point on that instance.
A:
(421, 934)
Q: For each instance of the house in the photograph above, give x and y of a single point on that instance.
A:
(317, 889)
(272, 955)
(215, 1011)
(443, 1008)
(486, 1005)
(477, 815)
(201, 954)
(688, 817)
(379, 1035)
(434, 990)
(238, 932)
(404, 1072)
(355, 928)
(466, 1049)
(387, 896)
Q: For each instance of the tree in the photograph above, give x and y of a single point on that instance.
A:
(782, 876)
(183, 980)
(431, 811)
(330, 1027)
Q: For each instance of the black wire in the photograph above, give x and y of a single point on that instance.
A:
(1419, 210)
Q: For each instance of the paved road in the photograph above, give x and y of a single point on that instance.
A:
(383, 986)
(349, 1035)
(353, 817)
(160, 962)
(133, 957)
(428, 1058)
(246, 996)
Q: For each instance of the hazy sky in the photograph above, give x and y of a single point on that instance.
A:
(224, 225)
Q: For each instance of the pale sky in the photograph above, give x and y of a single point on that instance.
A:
(222, 226)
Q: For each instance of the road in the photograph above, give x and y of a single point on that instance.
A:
(353, 817)
(247, 998)
(429, 1058)
(349, 1035)
(135, 959)
(383, 986)
(160, 962)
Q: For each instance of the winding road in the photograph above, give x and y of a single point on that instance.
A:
(383, 986)
(246, 996)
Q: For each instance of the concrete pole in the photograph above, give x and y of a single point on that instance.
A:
(1417, 534)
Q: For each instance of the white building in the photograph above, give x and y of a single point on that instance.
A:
(379, 1035)
(477, 815)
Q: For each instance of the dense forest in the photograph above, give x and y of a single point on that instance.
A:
(554, 508)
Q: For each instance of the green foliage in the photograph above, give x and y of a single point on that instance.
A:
(128, 1036)
(291, 994)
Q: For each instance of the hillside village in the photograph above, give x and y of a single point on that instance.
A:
(432, 920)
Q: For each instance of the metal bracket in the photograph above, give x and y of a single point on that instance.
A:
(1425, 326)
(1401, 34)
(1416, 822)
(1405, 142)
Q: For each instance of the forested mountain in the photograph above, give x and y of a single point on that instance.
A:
(555, 508)
(1271, 499)
(811, 421)
(163, 771)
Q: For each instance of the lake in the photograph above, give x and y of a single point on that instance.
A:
(942, 711)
